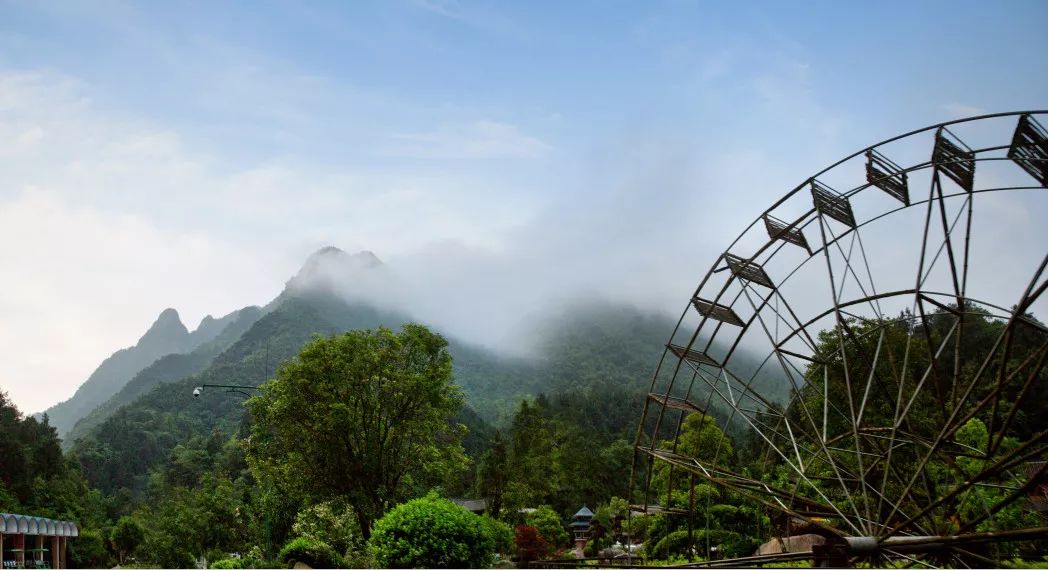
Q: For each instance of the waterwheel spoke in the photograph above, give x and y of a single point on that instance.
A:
(868, 438)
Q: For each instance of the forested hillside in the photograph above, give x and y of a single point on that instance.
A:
(554, 428)
(168, 368)
(166, 336)
(119, 452)
(36, 478)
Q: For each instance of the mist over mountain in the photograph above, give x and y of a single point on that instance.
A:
(584, 347)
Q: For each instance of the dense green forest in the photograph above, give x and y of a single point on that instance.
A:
(167, 336)
(554, 429)
(326, 465)
(168, 368)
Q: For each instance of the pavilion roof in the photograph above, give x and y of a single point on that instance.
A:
(11, 523)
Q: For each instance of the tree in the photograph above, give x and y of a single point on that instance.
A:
(493, 475)
(432, 533)
(547, 521)
(363, 416)
(332, 522)
(89, 551)
(530, 544)
(126, 536)
(917, 377)
(312, 552)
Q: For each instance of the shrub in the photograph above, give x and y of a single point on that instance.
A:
(89, 551)
(501, 533)
(311, 552)
(126, 536)
(331, 522)
(1020, 563)
(674, 543)
(548, 523)
(431, 533)
(229, 564)
(530, 544)
(637, 527)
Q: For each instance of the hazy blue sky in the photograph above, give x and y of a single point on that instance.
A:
(192, 154)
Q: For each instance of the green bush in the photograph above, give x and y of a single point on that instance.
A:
(89, 551)
(1020, 563)
(736, 545)
(674, 543)
(126, 536)
(166, 551)
(502, 534)
(637, 526)
(229, 564)
(332, 522)
(311, 552)
(549, 524)
(431, 533)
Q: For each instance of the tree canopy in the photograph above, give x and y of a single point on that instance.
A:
(364, 416)
(431, 532)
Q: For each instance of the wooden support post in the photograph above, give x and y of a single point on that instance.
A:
(21, 553)
(64, 549)
(54, 551)
(691, 519)
(39, 554)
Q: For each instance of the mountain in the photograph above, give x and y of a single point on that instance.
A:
(331, 269)
(120, 442)
(167, 335)
(593, 359)
(323, 272)
(608, 344)
(219, 335)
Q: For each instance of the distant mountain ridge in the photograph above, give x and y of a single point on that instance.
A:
(169, 368)
(589, 351)
(167, 335)
(169, 351)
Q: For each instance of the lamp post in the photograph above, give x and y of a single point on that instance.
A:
(240, 389)
(232, 388)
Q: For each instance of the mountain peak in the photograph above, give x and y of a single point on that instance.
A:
(330, 267)
(333, 257)
(168, 317)
(328, 250)
(331, 253)
(166, 330)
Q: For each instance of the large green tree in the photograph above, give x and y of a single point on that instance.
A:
(126, 536)
(364, 416)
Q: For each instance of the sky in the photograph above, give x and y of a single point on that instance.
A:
(507, 156)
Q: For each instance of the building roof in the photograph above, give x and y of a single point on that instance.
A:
(655, 509)
(584, 512)
(796, 543)
(472, 505)
(25, 524)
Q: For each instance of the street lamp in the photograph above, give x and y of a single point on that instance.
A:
(232, 388)
(239, 389)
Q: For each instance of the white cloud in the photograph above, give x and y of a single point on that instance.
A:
(960, 110)
(480, 139)
(105, 220)
(81, 283)
(443, 8)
